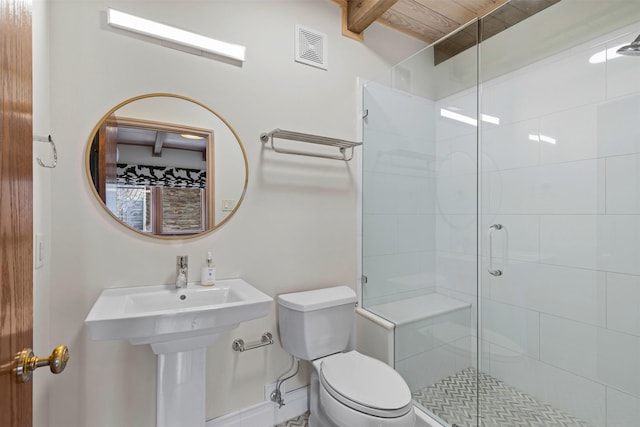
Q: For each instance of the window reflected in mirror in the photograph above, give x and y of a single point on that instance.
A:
(160, 210)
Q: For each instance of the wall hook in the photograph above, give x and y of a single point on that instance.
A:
(53, 149)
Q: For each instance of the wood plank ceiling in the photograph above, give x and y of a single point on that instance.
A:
(432, 20)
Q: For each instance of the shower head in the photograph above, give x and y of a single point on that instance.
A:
(632, 49)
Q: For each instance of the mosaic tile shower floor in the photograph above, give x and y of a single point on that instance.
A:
(454, 400)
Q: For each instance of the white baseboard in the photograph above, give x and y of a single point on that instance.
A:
(266, 414)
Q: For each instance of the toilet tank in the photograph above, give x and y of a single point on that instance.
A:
(317, 323)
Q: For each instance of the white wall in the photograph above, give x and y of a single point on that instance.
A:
(41, 208)
(294, 230)
(41, 276)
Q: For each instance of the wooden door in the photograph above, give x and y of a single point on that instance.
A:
(16, 207)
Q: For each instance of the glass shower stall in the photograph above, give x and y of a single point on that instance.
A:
(501, 218)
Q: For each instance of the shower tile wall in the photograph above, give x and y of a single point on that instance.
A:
(456, 198)
(562, 172)
(398, 196)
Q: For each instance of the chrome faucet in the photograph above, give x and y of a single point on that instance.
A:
(182, 270)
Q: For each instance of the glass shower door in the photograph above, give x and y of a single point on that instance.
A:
(501, 221)
(420, 223)
(559, 331)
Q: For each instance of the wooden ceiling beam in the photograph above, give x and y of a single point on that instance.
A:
(362, 13)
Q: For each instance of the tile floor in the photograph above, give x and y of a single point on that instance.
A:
(301, 421)
(454, 400)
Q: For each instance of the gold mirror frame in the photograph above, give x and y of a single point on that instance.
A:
(214, 226)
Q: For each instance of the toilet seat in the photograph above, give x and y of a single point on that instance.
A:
(365, 384)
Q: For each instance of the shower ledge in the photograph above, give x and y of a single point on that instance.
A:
(423, 307)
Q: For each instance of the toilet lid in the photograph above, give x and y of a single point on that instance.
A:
(366, 384)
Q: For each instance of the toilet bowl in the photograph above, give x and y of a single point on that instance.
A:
(348, 389)
(358, 391)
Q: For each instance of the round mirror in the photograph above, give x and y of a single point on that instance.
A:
(167, 166)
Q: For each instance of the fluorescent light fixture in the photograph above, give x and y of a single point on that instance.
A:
(542, 138)
(469, 120)
(174, 35)
(605, 55)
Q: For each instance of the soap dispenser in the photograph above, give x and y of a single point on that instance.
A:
(208, 274)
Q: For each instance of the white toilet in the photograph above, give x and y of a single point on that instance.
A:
(347, 389)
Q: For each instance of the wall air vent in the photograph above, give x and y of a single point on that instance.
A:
(311, 47)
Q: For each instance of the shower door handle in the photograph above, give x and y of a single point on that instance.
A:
(492, 229)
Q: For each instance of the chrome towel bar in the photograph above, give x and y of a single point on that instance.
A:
(341, 144)
(239, 344)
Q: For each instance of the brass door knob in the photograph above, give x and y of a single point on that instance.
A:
(28, 362)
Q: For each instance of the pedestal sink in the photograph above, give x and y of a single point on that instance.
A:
(178, 324)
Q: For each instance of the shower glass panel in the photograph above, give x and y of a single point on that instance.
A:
(420, 216)
(501, 218)
(560, 218)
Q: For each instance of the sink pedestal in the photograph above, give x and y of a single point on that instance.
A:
(181, 389)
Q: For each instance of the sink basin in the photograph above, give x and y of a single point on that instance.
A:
(171, 319)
